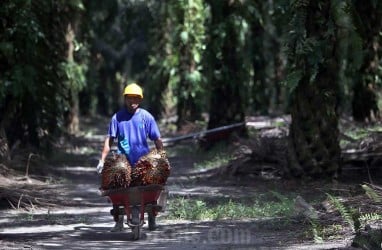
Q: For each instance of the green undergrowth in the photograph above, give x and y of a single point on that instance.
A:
(352, 218)
(360, 133)
(218, 160)
(275, 205)
(217, 156)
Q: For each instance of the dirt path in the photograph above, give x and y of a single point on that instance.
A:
(84, 222)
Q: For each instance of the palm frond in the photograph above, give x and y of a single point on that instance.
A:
(342, 209)
(371, 193)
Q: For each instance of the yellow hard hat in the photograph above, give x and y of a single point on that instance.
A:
(133, 89)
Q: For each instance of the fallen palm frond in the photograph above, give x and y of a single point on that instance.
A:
(26, 198)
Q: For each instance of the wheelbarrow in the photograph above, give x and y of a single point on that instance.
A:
(134, 202)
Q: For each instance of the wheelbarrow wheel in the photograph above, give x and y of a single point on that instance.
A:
(136, 230)
(135, 213)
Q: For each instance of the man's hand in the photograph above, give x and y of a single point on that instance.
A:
(105, 151)
(100, 167)
(159, 144)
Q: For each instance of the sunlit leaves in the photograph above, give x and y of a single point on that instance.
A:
(35, 74)
(300, 3)
(75, 74)
(184, 36)
(293, 79)
(77, 4)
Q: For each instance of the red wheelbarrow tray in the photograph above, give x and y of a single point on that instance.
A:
(144, 196)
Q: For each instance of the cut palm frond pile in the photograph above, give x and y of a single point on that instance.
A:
(153, 168)
(116, 172)
(28, 196)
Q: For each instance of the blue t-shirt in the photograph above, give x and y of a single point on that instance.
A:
(132, 131)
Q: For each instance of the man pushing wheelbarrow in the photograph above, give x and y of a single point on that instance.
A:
(130, 127)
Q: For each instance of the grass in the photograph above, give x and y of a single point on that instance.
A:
(321, 233)
(25, 217)
(217, 156)
(181, 150)
(51, 180)
(217, 161)
(197, 209)
(360, 133)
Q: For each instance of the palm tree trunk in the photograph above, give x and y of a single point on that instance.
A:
(368, 22)
(314, 136)
(227, 104)
(4, 148)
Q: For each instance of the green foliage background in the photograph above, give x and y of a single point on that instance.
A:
(216, 61)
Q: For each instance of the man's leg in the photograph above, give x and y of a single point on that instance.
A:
(118, 225)
(118, 220)
(152, 220)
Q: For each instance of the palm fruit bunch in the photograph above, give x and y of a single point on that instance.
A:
(153, 168)
(116, 172)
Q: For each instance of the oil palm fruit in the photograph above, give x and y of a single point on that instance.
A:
(153, 168)
(116, 172)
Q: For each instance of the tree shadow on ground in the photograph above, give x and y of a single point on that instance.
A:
(268, 233)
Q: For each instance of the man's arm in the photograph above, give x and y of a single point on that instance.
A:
(105, 151)
(106, 148)
(153, 133)
(158, 144)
